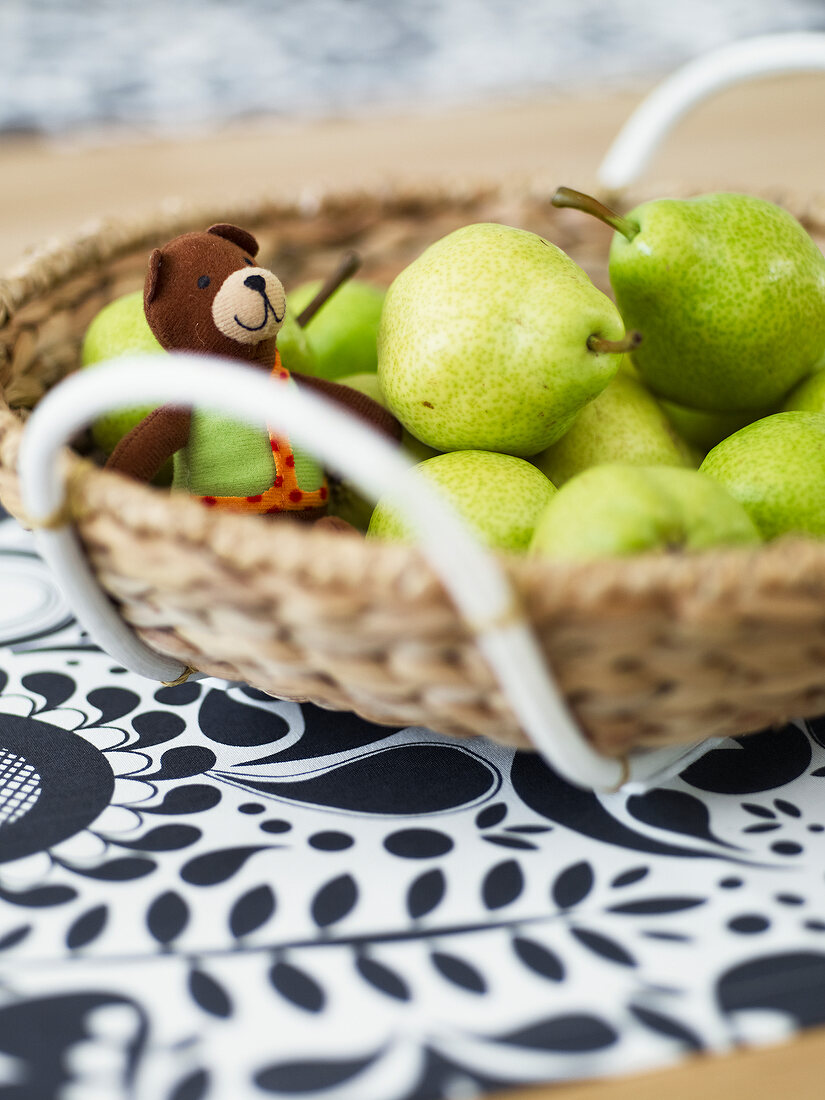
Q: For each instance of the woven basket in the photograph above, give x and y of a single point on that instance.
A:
(649, 651)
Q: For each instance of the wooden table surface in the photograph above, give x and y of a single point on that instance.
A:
(762, 136)
(791, 1071)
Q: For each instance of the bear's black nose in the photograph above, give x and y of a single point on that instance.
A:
(255, 282)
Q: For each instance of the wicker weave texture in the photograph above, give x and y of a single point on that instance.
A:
(648, 651)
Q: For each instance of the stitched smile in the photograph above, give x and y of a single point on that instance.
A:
(268, 308)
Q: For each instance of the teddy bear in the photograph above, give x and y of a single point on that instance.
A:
(205, 292)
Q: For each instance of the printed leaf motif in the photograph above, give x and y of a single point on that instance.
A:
(491, 815)
(603, 946)
(191, 798)
(502, 884)
(179, 695)
(757, 810)
(665, 1025)
(17, 935)
(297, 987)
(627, 878)
(40, 897)
(217, 866)
(786, 807)
(760, 762)
(418, 843)
(156, 727)
(789, 982)
(87, 927)
(209, 995)
(165, 838)
(53, 686)
(113, 703)
(573, 885)
(228, 722)
(511, 842)
(459, 972)
(651, 906)
(426, 893)
(395, 780)
(298, 1077)
(675, 811)
(192, 1087)
(118, 870)
(382, 978)
(251, 911)
(167, 917)
(575, 1033)
(334, 900)
(183, 762)
(538, 958)
(670, 937)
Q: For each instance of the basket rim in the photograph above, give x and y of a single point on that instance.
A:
(59, 259)
(791, 565)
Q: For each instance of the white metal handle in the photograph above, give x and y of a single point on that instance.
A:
(471, 575)
(655, 117)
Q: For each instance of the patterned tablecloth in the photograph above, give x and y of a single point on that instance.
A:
(208, 893)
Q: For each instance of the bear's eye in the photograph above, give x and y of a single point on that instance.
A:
(246, 260)
(203, 282)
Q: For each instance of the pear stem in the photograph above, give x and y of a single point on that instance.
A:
(601, 346)
(577, 200)
(349, 264)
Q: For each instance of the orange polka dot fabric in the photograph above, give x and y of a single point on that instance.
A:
(285, 494)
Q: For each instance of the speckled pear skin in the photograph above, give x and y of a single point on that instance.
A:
(483, 342)
(623, 424)
(498, 495)
(615, 510)
(703, 429)
(729, 291)
(776, 468)
(808, 396)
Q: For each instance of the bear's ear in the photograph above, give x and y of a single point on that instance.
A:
(151, 285)
(237, 236)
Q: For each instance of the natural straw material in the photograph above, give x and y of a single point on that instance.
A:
(649, 651)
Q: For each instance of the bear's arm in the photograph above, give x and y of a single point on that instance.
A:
(144, 449)
(359, 404)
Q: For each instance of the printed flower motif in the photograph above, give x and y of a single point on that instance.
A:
(66, 786)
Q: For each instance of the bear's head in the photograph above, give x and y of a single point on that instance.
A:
(204, 292)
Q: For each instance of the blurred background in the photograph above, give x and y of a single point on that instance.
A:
(107, 107)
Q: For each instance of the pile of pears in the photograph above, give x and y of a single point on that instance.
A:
(689, 413)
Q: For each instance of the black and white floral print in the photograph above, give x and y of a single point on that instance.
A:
(205, 892)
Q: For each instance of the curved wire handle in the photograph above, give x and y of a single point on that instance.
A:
(470, 574)
(655, 117)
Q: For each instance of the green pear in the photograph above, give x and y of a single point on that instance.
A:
(498, 495)
(365, 382)
(776, 468)
(294, 346)
(368, 383)
(616, 510)
(729, 291)
(342, 334)
(623, 424)
(702, 429)
(494, 339)
(344, 500)
(808, 396)
(120, 328)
